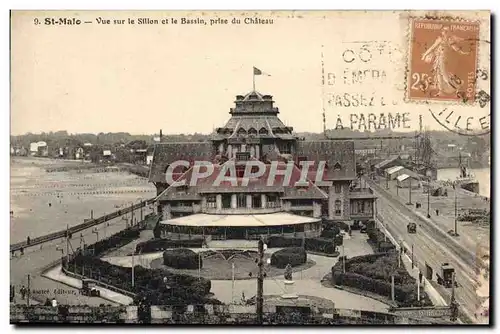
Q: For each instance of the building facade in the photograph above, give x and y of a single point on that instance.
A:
(255, 133)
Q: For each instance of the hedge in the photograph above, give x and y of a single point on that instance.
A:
(335, 224)
(380, 241)
(373, 273)
(182, 258)
(311, 244)
(180, 289)
(330, 233)
(294, 256)
(156, 245)
(117, 240)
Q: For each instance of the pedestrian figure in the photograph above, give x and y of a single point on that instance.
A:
(243, 299)
(420, 277)
(54, 302)
(47, 302)
(28, 240)
(437, 212)
(12, 294)
(50, 204)
(23, 292)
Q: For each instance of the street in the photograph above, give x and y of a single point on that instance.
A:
(431, 248)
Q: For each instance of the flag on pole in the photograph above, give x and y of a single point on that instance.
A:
(256, 71)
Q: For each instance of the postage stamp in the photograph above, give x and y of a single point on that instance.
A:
(443, 60)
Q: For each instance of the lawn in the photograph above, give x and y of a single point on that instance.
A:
(219, 266)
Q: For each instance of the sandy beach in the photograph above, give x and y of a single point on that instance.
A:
(47, 202)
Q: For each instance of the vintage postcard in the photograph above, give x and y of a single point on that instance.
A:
(250, 167)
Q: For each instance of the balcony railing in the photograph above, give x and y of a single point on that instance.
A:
(231, 211)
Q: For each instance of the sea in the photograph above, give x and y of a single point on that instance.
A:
(482, 175)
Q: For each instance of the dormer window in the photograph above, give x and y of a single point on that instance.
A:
(252, 131)
(263, 131)
(337, 166)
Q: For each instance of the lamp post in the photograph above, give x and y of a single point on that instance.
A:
(412, 264)
(455, 191)
(260, 283)
(409, 194)
(343, 259)
(133, 273)
(429, 199)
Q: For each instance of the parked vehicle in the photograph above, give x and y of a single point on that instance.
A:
(89, 288)
(445, 278)
(412, 228)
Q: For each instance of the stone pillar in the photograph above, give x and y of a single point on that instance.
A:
(252, 151)
(263, 200)
(218, 201)
(229, 151)
(233, 201)
(221, 148)
(243, 148)
(203, 202)
(257, 151)
(249, 201)
(235, 150)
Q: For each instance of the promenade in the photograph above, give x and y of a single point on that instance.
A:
(34, 217)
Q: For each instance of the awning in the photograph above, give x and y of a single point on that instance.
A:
(393, 170)
(402, 177)
(262, 220)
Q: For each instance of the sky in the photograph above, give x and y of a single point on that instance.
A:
(183, 78)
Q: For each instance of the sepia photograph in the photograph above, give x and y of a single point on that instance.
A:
(250, 167)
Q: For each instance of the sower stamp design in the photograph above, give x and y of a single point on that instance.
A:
(443, 60)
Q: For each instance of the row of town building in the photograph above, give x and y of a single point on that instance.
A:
(87, 151)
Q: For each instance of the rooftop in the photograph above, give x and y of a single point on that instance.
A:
(263, 220)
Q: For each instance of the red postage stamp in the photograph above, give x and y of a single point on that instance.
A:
(442, 60)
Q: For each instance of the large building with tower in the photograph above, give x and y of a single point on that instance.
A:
(245, 210)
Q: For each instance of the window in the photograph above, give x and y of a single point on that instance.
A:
(226, 201)
(337, 166)
(361, 206)
(338, 188)
(252, 131)
(211, 202)
(243, 156)
(285, 148)
(256, 201)
(301, 202)
(241, 201)
(272, 201)
(338, 208)
(241, 131)
(263, 131)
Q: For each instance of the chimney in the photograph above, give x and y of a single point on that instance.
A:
(161, 135)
